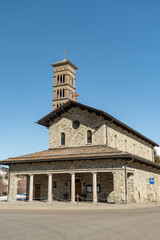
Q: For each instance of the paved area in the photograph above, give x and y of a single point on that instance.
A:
(69, 206)
(112, 224)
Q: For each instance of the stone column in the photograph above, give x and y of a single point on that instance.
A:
(31, 188)
(118, 194)
(12, 188)
(73, 187)
(50, 187)
(94, 187)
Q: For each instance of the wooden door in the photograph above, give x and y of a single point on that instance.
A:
(37, 191)
(77, 189)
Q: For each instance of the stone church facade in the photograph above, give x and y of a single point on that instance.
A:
(92, 155)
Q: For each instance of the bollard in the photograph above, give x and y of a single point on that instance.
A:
(77, 200)
(156, 199)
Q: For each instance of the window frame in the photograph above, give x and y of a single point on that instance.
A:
(63, 139)
(91, 186)
(89, 138)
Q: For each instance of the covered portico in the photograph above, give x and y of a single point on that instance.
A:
(87, 184)
(102, 173)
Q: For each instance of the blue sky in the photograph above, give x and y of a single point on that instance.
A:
(115, 44)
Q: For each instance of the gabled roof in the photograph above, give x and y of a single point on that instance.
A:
(70, 104)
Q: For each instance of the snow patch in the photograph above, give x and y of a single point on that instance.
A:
(157, 150)
(19, 197)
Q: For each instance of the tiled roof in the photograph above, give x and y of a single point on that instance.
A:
(66, 153)
(78, 153)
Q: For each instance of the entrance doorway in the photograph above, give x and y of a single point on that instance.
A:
(77, 187)
(37, 191)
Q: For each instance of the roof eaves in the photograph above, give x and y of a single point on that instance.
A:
(74, 158)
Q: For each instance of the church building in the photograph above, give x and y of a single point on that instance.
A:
(92, 156)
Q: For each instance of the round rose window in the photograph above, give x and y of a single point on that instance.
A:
(76, 124)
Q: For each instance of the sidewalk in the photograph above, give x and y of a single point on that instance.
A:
(55, 205)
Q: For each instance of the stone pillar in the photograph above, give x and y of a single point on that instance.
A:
(73, 187)
(31, 188)
(94, 187)
(118, 194)
(12, 188)
(50, 187)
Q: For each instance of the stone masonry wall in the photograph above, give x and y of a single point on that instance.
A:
(125, 141)
(77, 137)
(91, 165)
(143, 190)
(103, 133)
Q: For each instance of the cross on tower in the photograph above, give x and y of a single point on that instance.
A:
(75, 96)
(65, 54)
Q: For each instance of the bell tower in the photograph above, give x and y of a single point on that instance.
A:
(64, 82)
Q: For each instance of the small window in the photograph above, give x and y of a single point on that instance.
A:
(55, 185)
(76, 124)
(89, 136)
(62, 138)
(89, 188)
(58, 79)
(63, 93)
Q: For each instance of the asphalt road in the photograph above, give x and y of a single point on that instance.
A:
(129, 224)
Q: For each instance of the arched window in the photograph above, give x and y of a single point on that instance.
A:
(62, 138)
(63, 78)
(58, 80)
(60, 93)
(63, 92)
(57, 93)
(89, 136)
(57, 105)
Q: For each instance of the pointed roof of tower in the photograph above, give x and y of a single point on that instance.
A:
(64, 62)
